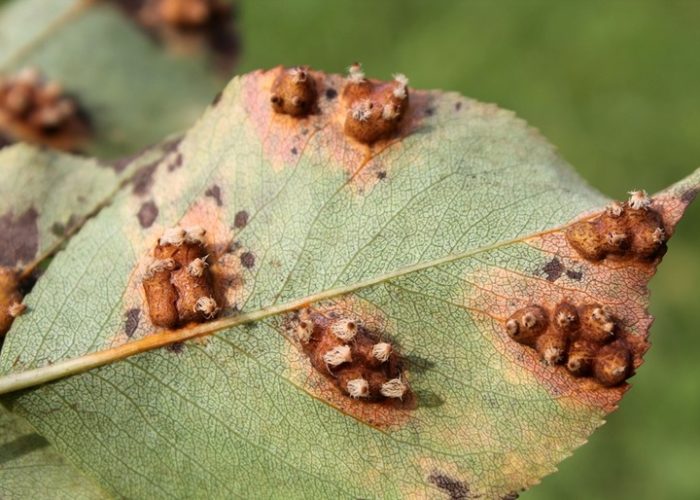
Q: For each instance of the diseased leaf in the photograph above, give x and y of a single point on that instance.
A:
(131, 86)
(31, 468)
(431, 241)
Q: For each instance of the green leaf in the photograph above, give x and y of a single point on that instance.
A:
(134, 90)
(31, 468)
(435, 238)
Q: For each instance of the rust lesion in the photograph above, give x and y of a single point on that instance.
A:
(351, 363)
(328, 124)
(186, 274)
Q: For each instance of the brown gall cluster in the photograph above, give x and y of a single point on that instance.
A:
(294, 92)
(10, 299)
(587, 339)
(631, 229)
(36, 110)
(374, 110)
(178, 284)
(183, 15)
(352, 355)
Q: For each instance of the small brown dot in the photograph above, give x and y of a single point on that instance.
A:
(240, 220)
(248, 260)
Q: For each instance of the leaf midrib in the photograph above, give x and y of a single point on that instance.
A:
(29, 378)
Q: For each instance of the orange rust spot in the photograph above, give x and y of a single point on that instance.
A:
(223, 264)
(350, 366)
(35, 110)
(286, 139)
(10, 299)
(618, 282)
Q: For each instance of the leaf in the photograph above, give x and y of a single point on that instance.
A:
(132, 88)
(433, 239)
(46, 196)
(31, 468)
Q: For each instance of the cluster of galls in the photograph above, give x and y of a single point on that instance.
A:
(374, 110)
(36, 110)
(10, 299)
(586, 338)
(353, 356)
(631, 229)
(178, 284)
(183, 14)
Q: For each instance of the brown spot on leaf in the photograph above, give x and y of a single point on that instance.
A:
(147, 214)
(248, 260)
(215, 192)
(133, 316)
(240, 220)
(553, 269)
(175, 163)
(455, 489)
(20, 237)
(574, 275)
(143, 179)
(381, 175)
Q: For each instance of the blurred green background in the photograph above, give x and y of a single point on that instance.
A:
(616, 86)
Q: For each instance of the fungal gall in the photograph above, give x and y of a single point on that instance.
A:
(294, 92)
(36, 110)
(581, 356)
(612, 364)
(566, 318)
(632, 229)
(10, 299)
(374, 110)
(597, 324)
(341, 347)
(552, 347)
(526, 324)
(178, 284)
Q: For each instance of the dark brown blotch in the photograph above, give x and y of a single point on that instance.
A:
(20, 237)
(248, 260)
(133, 317)
(455, 489)
(214, 192)
(147, 214)
(240, 220)
(553, 269)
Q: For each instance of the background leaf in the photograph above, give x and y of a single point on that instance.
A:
(134, 90)
(45, 196)
(438, 235)
(31, 468)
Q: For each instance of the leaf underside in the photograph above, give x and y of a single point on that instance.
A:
(438, 237)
